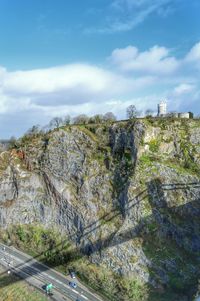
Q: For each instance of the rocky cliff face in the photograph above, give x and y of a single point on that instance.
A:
(127, 195)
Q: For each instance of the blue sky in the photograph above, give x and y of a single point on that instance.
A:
(92, 56)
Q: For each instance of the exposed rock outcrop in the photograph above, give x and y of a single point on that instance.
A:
(126, 194)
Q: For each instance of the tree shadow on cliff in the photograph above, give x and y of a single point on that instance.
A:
(170, 240)
(124, 157)
(72, 255)
(124, 160)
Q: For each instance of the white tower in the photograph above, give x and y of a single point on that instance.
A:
(162, 108)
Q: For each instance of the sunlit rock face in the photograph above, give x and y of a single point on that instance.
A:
(127, 194)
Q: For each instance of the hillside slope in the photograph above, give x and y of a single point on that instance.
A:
(126, 196)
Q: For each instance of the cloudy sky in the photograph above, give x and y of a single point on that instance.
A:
(93, 56)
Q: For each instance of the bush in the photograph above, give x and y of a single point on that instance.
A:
(154, 145)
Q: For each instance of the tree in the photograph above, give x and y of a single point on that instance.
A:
(109, 116)
(131, 112)
(149, 113)
(56, 122)
(99, 118)
(91, 119)
(34, 130)
(13, 142)
(66, 120)
(81, 119)
(46, 128)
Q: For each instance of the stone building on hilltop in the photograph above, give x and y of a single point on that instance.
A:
(162, 109)
(162, 112)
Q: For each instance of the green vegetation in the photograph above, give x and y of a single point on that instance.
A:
(146, 160)
(46, 244)
(188, 155)
(135, 289)
(60, 254)
(13, 288)
(154, 145)
(88, 132)
(4, 159)
(160, 250)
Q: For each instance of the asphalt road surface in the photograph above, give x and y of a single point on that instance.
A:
(39, 274)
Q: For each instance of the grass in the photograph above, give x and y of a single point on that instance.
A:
(4, 160)
(34, 239)
(145, 159)
(88, 132)
(14, 289)
(154, 145)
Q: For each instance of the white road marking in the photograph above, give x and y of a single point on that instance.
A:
(74, 291)
(84, 297)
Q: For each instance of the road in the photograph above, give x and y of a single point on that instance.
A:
(39, 274)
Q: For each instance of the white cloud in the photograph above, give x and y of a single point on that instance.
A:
(193, 57)
(117, 106)
(143, 78)
(2, 71)
(58, 78)
(183, 89)
(155, 60)
(68, 85)
(124, 15)
(194, 54)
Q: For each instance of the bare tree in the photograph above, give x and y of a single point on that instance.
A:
(34, 130)
(149, 113)
(109, 117)
(131, 112)
(99, 118)
(81, 119)
(13, 142)
(56, 122)
(91, 119)
(66, 120)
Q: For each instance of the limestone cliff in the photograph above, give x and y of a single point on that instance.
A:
(127, 195)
